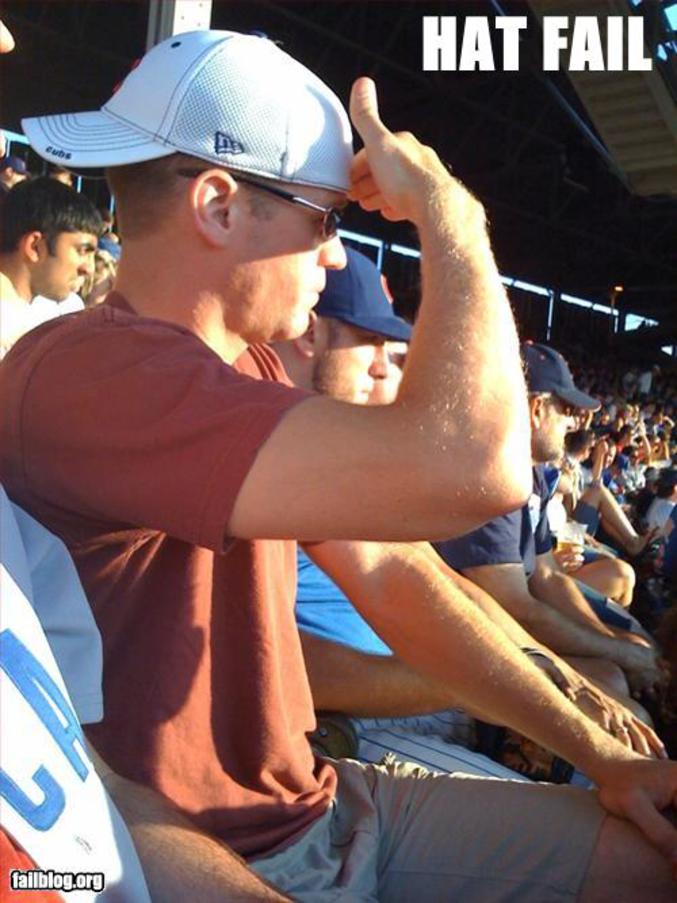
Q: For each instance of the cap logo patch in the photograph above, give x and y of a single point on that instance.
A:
(224, 144)
(57, 152)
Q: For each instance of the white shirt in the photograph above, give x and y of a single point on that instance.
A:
(43, 309)
(55, 806)
(15, 316)
(658, 513)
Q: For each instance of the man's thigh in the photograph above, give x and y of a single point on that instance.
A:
(400, 833)
(465, 838)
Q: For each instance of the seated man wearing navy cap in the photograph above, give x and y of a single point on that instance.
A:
(12, 171)
(511, 556)
(351, 670)
(344, 355)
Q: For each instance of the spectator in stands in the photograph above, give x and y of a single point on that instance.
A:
(645, 380)
(668, 566)
(511, 557)
(12, 171)
(195, 458)
(634, 474)
(597, 505)
(48, 235)
(661, 507)
(629, 381)
(103, 278)
(109, 241)
(59, 174)
(350, 669)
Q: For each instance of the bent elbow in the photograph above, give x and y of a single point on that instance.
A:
(505, 482)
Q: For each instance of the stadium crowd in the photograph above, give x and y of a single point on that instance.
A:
(352, 609)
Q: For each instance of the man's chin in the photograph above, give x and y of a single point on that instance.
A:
(297, 327)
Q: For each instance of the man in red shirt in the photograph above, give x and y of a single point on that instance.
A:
(159, 439)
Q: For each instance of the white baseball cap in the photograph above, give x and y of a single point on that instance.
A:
(235, 100)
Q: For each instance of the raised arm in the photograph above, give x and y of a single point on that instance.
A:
(456, 441)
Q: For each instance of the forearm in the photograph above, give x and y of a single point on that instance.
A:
(437, 630)
(560, 592)
(487, 603)
(368, 686)
(179, 861)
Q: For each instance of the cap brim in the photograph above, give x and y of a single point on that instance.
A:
(579, 399)
(92, 139)
(389, 327)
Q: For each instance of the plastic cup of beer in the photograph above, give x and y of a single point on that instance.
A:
(571, 537)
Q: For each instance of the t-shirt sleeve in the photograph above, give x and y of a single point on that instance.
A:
(144, 425)
(497, 542)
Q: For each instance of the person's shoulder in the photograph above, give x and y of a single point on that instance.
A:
(117, 328)
(262, 362)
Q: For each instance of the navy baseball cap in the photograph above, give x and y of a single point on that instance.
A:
(547, 371)
(356, 295)
(16, 163)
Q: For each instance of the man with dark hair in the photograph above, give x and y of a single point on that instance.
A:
(180, 503)
(48, 235)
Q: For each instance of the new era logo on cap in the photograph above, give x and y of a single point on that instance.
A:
(224, 144)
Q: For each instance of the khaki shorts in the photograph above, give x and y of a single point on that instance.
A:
(400, 834)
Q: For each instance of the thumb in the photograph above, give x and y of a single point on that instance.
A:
(364, 110)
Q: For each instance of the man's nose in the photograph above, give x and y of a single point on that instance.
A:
(86, 267)
(380, 363)
(333, 254)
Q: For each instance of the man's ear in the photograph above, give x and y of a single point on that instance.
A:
(32, 246)
(306, 343)
(537, 405)
(212, 200)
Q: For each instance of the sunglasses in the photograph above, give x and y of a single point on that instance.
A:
(563, 407)
(331, 216)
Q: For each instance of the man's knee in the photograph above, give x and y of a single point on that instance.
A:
(605, 673)
(626, 573)
(624, 866)
(592, 495)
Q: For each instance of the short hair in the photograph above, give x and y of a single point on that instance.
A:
(666, 483)
(577, 441)
(47, 206)
(145, 192)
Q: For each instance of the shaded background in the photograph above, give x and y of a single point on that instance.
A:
(560, 215)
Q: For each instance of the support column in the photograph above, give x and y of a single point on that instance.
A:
(168, 17)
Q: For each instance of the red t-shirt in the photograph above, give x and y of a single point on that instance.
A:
(14, 857)
(129, 438)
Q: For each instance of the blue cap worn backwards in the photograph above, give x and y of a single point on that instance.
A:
(356, 296)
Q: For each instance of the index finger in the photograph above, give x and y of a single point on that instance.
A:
(364, 110)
